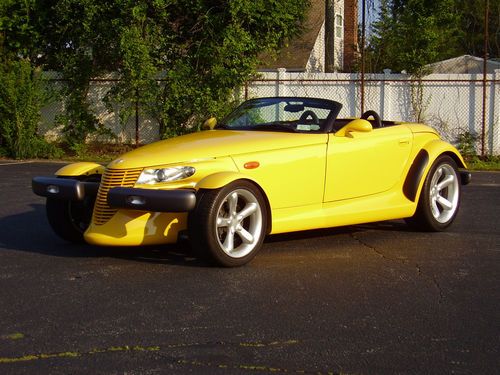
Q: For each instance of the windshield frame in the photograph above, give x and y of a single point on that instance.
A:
(331, 105)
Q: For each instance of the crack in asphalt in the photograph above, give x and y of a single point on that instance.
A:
(433, 280)
(251, 367)
(418, 268)
(165, 352)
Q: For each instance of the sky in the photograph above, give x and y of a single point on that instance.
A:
(372, 7)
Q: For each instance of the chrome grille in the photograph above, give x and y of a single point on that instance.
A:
(112, 178)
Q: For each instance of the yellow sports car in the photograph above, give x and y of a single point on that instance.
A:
(273, 165)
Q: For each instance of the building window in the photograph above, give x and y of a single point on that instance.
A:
(339, 26)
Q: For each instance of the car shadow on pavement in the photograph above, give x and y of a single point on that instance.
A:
(392, 226)
(30, 232)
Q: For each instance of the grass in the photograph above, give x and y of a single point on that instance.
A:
(486, 163)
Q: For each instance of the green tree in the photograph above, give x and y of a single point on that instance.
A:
(18, 36)
(23, 91)
(412, 33)
(409, 34)
(472, 24)
(179, 60)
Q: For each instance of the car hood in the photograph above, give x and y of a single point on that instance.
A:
(212, 144)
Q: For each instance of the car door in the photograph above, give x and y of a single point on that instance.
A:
(366, 163)
(292, 174)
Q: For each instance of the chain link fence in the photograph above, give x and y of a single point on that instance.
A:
(136, 128)
(454, 104)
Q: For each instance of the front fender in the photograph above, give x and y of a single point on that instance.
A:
(423, 163)
(437, 147)
(220, 179)
(80, 169)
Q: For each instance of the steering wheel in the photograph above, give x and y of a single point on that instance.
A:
(376, 117)
(308, 113)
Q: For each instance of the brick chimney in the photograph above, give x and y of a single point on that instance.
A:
(351, 48)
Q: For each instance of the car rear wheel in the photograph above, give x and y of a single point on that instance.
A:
(440, 197)
(228, 225)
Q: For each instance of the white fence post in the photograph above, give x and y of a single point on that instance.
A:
(494, 128)
(281, 86)
(386, 96)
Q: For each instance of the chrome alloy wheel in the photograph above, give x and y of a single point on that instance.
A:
(239, 223)
(444, 193)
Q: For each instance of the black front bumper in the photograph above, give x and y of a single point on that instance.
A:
(64, 188)
(180, 200)
(465, 177)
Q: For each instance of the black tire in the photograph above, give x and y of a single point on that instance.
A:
(211, 225)
(70, 219)
(442, 184)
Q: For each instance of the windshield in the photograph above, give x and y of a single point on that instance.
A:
(302, 115)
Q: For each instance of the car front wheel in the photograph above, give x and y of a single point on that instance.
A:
(70, 219)
(440, 197)
(229, 224)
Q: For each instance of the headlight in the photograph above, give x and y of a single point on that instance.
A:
(154, 176)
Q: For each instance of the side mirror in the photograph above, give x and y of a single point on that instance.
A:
(358, 125)
(209, 124)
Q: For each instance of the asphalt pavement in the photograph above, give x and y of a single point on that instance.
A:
(368, 299)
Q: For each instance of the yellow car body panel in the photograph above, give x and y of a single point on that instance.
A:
(210, 144)
(80, 169)
(366, 163)
(290, 177)
(310, 180)
(220, 179)
(437, 147)
(134, 228)
(387, 206)
(384, 201)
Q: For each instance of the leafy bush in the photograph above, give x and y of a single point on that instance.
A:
(22, 95)
(466, 144)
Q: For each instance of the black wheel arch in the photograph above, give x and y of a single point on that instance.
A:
(416, 172)
(415, 175)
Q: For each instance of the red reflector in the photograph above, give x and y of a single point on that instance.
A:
(252, 165)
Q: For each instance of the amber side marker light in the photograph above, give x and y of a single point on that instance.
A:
(252, 165)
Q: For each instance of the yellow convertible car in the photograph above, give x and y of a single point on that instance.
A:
(273, 165)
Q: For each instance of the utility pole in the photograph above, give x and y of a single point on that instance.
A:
(363, 32)
(329, 36)
(485, 68)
